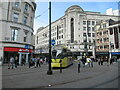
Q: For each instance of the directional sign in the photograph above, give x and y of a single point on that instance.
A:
(27, 46)
(53, 42)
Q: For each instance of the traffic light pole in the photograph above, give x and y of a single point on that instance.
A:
(49, 72)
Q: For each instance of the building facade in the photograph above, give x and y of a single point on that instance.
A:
(113, 12)
(108, 39)
(75, 30)
(16, 22)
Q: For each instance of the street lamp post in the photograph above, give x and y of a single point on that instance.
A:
(49, 72)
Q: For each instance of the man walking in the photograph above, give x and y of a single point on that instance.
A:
(11, 63)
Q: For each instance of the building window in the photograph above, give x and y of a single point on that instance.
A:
(89, 41)
(89, 28)
(84, 34)
(105, 39)
(93, 22)
(101, 40)
(15, 17)
(17, 4)
(93, 29)
(100, 33)
(25, 20)
(26, 7)
(104, 25)
(84, 22)
(101, 47)
(89, 34)
(62, 36)
(14, 34)
(84, 28)
(88, 22)
(31, 19)
(25, 36)
(111, 31)
(93, 34)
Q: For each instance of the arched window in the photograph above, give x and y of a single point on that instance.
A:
(72, 30)
(37, 39)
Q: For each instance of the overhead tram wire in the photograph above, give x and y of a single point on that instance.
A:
(42, 13)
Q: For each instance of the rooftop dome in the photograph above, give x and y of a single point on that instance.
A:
(74, 8)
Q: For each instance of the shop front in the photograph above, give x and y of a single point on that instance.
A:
(104, 55)
(21, 53)
(116, 55)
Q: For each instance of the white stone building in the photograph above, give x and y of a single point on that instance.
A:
(71, 30)
(113, 12)
(16, 22)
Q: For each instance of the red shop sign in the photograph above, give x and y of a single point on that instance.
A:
(13, 49)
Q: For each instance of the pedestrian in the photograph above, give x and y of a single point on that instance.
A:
(23, 61)
(101, 60)
(79, 65)
(83, 61)
(38, 62)
(16, 61)
(88, 61)
(11, 64)
(35, 61)
(98, 61)
(111, 61)
(41, 60)
(45, 60)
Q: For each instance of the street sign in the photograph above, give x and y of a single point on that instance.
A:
(53, 42)
(27, 46)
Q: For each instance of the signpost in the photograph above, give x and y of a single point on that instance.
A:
(53, 42)
(27, 46)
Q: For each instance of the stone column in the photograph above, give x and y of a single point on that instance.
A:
(20, 55)
(26, 58)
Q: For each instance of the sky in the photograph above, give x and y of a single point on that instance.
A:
(58, 10)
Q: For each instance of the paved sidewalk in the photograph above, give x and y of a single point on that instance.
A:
(24, 77)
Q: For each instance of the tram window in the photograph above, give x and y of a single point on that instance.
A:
(54, 52)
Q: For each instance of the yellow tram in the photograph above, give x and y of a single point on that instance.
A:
(63, 56)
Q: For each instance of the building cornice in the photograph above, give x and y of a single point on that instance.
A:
(16, 43)
(18, 24)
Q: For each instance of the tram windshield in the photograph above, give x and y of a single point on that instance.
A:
(60, 53)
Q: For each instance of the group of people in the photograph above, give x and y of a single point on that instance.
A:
(13, 62)
(87, 60)
(36, 61)
(33, 62)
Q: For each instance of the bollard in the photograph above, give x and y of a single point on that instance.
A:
(79, 67)
(60, 66)
(92, 63)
